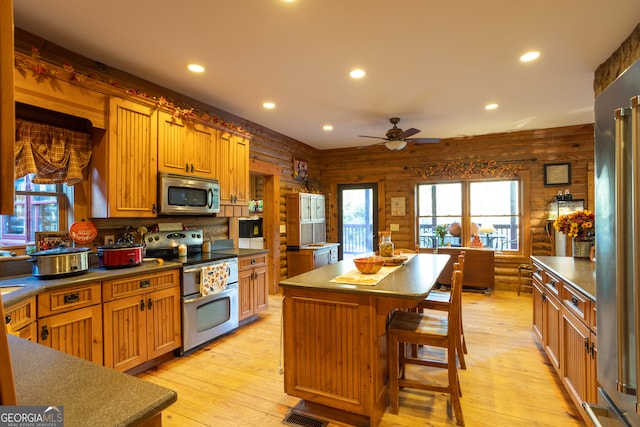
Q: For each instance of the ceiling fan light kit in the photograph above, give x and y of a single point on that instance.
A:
(397, 139)
(395, 145)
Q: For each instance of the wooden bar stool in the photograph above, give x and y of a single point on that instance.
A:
(439, 300)
(426, 329)
(524, 277)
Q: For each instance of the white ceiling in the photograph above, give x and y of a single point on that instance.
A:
(432, 63)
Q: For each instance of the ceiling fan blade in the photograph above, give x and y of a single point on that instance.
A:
(375, 137)
(410, 132)
(373, 145)
(423, 140)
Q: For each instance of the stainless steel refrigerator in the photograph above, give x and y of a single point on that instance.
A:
(617, 193)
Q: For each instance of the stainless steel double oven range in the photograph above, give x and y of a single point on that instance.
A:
(203, 317)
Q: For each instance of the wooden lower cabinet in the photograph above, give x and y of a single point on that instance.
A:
(70, 320)
(20, 319)
(253, 292)
(310, 258)
(145, 323)
(563, 320)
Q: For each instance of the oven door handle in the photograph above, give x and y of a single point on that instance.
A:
(205, 298)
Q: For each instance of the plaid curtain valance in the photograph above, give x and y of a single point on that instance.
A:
(55, 155)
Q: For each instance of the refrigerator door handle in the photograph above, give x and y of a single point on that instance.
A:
(635, 226)
(621, 190)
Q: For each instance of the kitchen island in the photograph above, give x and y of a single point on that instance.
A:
(335, 355)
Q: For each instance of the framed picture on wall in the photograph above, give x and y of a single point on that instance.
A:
(45, 241)
(557, 174)
(398, 206)
(300, 169)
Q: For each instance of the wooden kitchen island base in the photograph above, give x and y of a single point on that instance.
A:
(335, 334)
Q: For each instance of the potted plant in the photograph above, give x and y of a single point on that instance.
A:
(441, 231)
(579, 225)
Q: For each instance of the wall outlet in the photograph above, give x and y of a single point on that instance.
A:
(109, 239)
(394, 227)
(283, 229)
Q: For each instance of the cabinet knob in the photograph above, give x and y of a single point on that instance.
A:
(71, 298)
(7, 319)
(186, 167)
(141, 305)
(44, 333)
(149, 304)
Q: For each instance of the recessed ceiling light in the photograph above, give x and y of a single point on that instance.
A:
(530, 56)
(327, 128)
(357, 73)
(491, 106)
(196, 68)
(269, 105)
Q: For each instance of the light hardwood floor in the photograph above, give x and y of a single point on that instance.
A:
(235, 380)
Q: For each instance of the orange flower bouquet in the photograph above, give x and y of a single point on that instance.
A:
(576, 224)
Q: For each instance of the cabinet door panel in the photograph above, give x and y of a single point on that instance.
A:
(171, 144)
(133, 167)
(246, 295)
(124, 333)
(201, 144)
(552, 330)
(77, 332)
(163, 321)
(261, 288)
(576, 357)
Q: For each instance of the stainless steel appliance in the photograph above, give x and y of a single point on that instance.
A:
(617, 191)
(187, 195)
(204, 317)
(59, 262)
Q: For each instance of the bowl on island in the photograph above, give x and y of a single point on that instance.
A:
(368, 265)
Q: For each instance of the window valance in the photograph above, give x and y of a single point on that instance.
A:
(55, 155)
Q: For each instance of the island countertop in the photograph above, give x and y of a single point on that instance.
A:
(412, 280)
(91, 395)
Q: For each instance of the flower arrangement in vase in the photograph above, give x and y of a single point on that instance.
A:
(441, 231)
(576, 224)
(581, 226)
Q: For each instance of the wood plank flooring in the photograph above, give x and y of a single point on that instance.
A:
(236, 381)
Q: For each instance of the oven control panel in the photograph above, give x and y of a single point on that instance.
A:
(172, 239)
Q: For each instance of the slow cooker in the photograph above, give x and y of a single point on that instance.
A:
(120, 255)
(59, 262)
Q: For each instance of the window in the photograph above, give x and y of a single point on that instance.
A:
(453, 213)
(38, 207)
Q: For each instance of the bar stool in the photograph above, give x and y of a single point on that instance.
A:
(439, 300)
(524, 277)
(426, 329)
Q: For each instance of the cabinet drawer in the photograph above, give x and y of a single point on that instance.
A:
(552, 284)
(252, 261)
(63, 300)
(577, 303)
(134, 285)
(21, 314)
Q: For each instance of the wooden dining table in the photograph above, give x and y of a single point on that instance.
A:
(335, 347)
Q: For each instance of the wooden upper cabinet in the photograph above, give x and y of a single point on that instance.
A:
(124, 174)
(185, 148)
(232, 153)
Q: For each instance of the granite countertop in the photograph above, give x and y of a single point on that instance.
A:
(316, 246)
(90, 394)
(412, 280)
(241, 252)
(578, 272)
(33, 285)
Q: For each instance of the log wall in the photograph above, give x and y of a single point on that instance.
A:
(529, 150)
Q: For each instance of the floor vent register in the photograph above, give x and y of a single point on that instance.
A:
(297, 420)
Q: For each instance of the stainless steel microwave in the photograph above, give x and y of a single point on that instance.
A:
(187, 195)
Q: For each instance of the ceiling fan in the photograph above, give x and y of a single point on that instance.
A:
(397, 139)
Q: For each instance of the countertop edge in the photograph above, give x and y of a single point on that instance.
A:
(585, 282)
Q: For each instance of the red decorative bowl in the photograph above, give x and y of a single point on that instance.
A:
(368, 265)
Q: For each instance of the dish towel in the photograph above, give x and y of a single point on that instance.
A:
(213, 278)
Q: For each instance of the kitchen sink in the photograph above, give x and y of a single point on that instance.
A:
(10, 288)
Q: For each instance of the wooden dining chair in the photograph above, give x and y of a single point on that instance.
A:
(7, 384)
(440, 300)
(427, 330)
